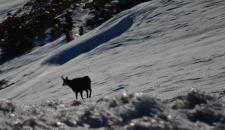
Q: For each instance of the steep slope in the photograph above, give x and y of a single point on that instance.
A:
(163, 48)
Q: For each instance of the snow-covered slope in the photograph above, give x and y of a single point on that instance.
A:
(162, 47)
(9, 6)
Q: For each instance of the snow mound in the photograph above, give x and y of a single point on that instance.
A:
(192, 111)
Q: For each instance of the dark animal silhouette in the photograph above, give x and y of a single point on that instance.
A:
(78, 85)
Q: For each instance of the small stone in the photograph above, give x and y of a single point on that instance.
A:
(12, 115)
(59, 124)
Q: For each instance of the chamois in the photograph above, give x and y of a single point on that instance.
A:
(78, 85)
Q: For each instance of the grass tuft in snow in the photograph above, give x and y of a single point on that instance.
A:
(192, 99)
(7, 107)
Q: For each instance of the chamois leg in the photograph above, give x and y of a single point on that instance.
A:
(87, 92)
(76, 95)
(90, 92)
(81, 94)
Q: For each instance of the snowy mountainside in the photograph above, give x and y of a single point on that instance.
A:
(163, 48)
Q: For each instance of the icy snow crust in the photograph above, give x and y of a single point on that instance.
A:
(162, 48)
(193, 111)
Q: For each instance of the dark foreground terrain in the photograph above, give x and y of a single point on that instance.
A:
(194, 111)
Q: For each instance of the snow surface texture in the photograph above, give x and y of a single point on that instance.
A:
(162, 47)
(193, 111)
(9, 6)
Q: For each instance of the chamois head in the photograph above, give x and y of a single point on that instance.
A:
(65, 81)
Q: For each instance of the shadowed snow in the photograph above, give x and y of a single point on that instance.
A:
(90, 43)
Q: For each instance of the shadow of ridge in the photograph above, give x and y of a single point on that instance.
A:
(91, 43)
